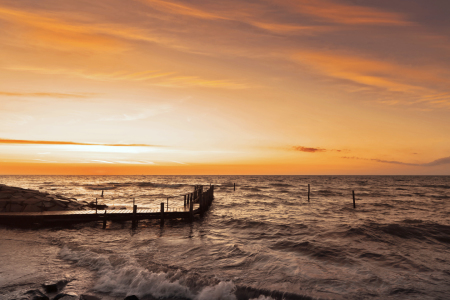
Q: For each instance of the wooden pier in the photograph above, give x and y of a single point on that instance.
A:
(195, 203)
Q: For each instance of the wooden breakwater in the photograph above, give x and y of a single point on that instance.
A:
(195, 203)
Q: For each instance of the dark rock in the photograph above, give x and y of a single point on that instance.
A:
(132, 297)
(53, 287)
(35, 295)
(68, 296)
(89, 297)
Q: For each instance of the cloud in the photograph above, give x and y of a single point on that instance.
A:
(394, 83)
(308, 149)
(365, 71)
(42, 94)
(437, 162)
(316, 149)
(157, 78)
(180, 9)
(32, 142)
(349, 14)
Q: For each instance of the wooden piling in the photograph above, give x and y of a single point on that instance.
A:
(184, 201)
(354, 202)
(134, 221)
(309, 191)
(102, 193)
(191, 211)
(96, 205)
(202, 205)
(104, 220)
(162, 214)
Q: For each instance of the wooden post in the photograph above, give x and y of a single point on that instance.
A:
(308, 191)
(184, 201)
(102, 193)
(354, 203)
(202, 206)
(234, 184)
(162, 214)
(191, 211)
(96, 205)
(104, 220)
(134, 221)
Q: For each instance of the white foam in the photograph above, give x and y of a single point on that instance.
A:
(129, 278)
(262, 297)
(224, 290)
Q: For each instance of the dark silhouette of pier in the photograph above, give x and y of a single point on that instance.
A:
(195, 203)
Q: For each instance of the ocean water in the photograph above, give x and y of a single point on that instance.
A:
(262, 241)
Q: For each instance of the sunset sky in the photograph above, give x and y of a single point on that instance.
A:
(225, 87)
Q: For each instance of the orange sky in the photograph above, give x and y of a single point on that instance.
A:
(224, 87)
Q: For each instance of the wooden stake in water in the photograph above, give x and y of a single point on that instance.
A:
(95, 205)
(309, 191)
(354, 203)
(102, 193)
(134, 222)
(191, 211)
(162, 214)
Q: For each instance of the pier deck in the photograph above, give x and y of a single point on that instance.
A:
(195, 203)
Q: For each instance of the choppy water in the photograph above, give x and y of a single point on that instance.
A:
(262, 239)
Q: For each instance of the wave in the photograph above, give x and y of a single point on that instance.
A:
(129, 278)
(311, 249)
(280, 184)
(121, 276)
(246, 292)
(159, 185)
(408, 229)
(96, 187)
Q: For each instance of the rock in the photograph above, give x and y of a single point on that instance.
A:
(14, 199)
(68, 296)
(53, 287)
(34, 295)
(89, 297)
(5, 195)
(132, 297)
(27, 195)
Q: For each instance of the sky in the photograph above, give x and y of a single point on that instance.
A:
(304, 87)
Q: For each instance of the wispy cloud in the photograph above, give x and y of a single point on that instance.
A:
(349, 14)
(437, 162)
(182, 9)
(404, 84)
(44, 94)
(33, 142)
(308, 149)
(157, 78)
(314, 149)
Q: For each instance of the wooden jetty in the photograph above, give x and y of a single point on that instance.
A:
(195, 203)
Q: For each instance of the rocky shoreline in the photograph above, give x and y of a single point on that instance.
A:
(54, 291)
(16, 199)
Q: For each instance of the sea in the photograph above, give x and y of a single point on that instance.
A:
(261, 239)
